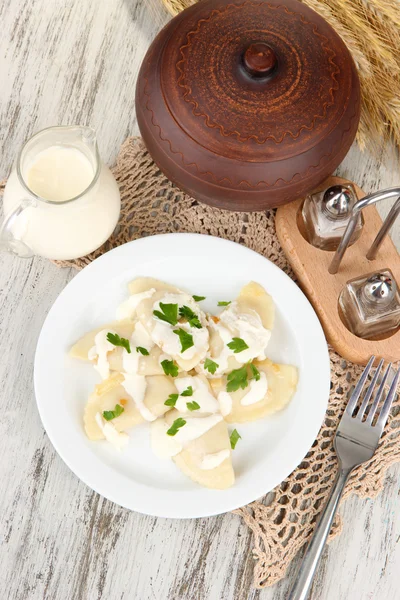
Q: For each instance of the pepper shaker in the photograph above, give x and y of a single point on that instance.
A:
(326, 215)
(371, 304)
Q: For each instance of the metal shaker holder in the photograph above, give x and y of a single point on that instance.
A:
(354, 289)
(368, 200)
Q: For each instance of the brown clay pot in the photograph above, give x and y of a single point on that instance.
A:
(247, 105)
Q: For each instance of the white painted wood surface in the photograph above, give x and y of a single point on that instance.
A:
(76, 61)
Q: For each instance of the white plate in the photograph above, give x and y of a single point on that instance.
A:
(269, 449)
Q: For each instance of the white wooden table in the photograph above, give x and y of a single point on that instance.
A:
(76, 61)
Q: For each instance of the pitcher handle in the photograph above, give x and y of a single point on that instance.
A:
(8, 241)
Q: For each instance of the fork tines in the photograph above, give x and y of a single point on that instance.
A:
(358, 390)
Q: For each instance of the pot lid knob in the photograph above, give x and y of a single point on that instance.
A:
(259, 60)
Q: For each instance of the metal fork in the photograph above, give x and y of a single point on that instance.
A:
(355, 443)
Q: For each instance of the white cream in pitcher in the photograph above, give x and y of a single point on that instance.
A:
(70, 201)
(59, 173)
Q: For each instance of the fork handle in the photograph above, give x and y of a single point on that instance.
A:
(314, 549)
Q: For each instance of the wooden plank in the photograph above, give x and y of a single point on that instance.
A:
(76, 61)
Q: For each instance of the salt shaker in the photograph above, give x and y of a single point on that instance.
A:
(371, 304)
(326, 215)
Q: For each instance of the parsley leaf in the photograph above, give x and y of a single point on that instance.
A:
(169, 313)
(185, 338)
(237, 379)
(198, 298)
(114, 338)
(169, 367)
(210, 365)
(188, 391)
(176, 425)
(171, 401)
(142, 350)
(118, 410)
(187, 313)
(192, 405)
(234, 438)
(109, 415)
(224, 303)
(237, 345)
(255, 373)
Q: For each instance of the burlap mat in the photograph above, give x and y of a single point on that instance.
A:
(282, 521)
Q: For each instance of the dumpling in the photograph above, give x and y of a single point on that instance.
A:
(93, 346)
(195, 391)
(143, 284)
(142, 398)
(249, 319)
(200, 449)
(83, 346)
(177, 325)
(104, 398)
(141, 289)
(253, 297)
(271, 393)
(211, 449)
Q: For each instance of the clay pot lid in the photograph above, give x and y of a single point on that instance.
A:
(260, 74)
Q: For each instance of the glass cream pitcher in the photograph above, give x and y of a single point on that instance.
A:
(60, 201)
